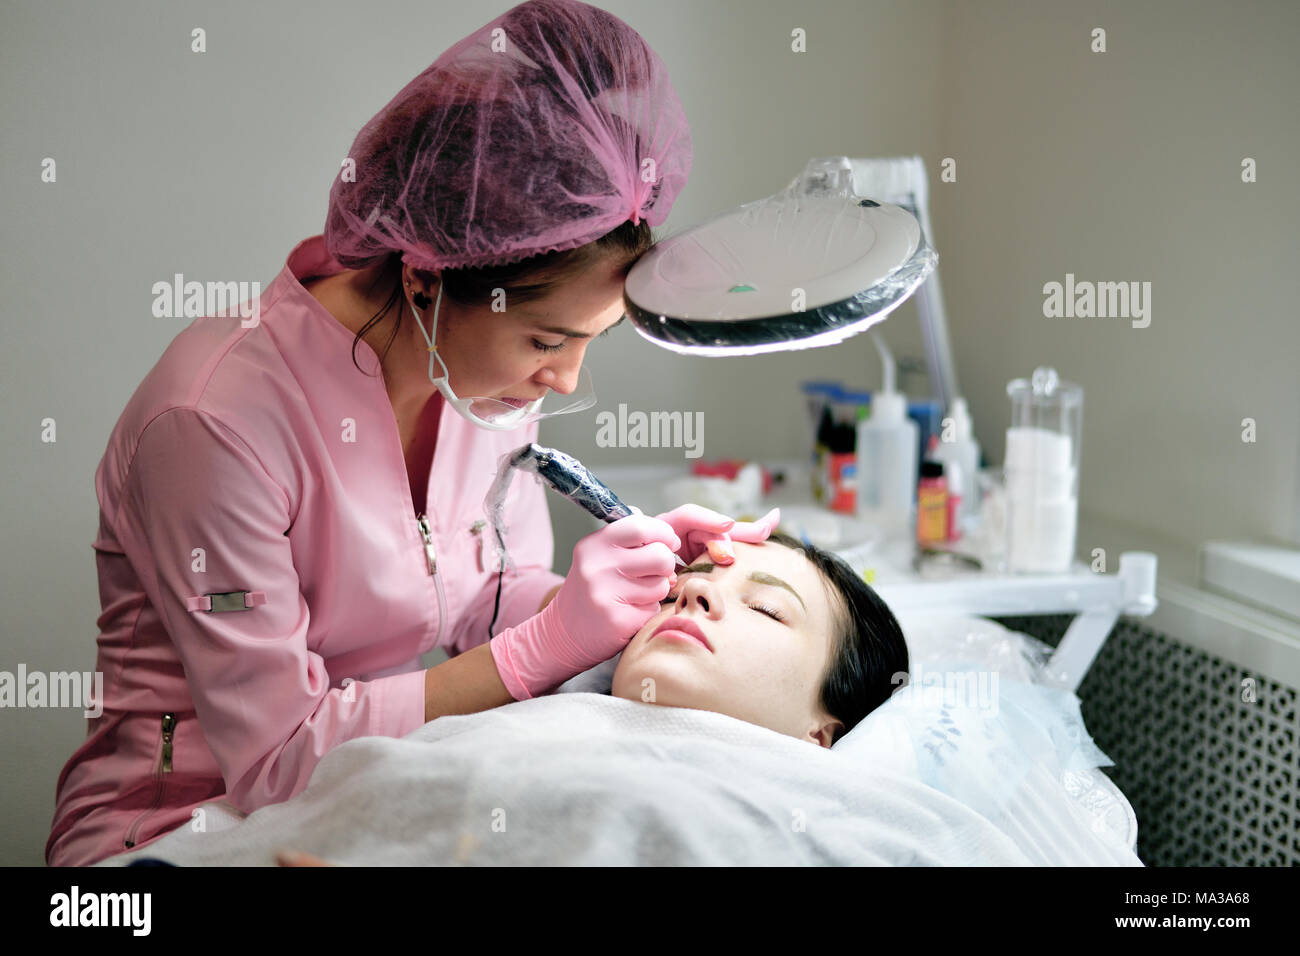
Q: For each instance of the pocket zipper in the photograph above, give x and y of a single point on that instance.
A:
(164, 767)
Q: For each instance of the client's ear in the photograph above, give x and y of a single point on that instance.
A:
(823, 735)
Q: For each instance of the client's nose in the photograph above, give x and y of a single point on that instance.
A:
(699, 592)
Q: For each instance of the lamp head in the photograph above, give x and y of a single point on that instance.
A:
(807, 267)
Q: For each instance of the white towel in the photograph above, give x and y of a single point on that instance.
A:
(584, 778)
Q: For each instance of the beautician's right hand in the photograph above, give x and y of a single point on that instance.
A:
(618, 577)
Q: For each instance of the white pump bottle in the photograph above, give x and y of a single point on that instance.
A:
(964, 451)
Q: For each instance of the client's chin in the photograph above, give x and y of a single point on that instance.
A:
(671, 678)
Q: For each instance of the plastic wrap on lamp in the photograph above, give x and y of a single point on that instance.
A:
(804, 268)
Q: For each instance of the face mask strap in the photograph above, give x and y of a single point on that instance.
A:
(443, 382)
(432, 338)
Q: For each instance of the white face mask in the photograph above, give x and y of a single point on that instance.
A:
(494, 413)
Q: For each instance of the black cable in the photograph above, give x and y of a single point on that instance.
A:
(496, 607)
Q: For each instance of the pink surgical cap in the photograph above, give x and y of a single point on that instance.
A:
(543, 130)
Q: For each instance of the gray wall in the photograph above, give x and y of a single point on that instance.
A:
(1127, 166)
(1115, 166)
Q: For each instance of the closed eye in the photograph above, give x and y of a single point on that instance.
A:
(771, 612)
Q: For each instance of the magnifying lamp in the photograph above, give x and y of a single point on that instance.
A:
(807, 267)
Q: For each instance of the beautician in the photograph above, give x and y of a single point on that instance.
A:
(291, 512)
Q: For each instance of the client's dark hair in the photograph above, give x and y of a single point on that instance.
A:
(868, 649)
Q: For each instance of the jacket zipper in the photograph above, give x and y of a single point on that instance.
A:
(431, 556)
(164, 767)
(429, 553)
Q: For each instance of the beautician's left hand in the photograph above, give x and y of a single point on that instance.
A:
(701, 529)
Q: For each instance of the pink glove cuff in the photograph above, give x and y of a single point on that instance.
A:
(537, 655)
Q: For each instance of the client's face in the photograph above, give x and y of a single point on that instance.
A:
(768, 623)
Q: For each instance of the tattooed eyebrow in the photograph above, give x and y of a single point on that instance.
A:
(758, 577)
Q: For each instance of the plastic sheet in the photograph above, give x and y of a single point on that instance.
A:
(975, 724)
(981, 753)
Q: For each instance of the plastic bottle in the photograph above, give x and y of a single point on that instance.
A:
(821, 452)
(952, 474)
(841, 466)
(952, 482)
(964, 450)
(931, 505)
(886, 447)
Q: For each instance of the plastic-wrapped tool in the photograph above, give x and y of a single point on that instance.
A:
(565, 474)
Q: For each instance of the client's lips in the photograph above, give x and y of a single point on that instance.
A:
(686, 626)
(517, 402)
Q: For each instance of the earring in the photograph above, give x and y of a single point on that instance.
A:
(421, 300)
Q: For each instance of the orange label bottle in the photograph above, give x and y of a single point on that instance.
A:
(931, 505)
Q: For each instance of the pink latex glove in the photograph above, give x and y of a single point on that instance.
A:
(703, 530)
(618, 577)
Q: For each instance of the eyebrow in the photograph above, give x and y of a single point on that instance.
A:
(758, 577)
(571, 333)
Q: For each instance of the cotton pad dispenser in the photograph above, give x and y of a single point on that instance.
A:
(1042, 473)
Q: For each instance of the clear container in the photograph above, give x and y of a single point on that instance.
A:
(990, 530)
(1041, 473)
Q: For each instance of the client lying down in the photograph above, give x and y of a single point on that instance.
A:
(788, 638)
(699, 756)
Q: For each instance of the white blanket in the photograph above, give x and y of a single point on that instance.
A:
(581, 778)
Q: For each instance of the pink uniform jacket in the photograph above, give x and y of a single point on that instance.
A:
(260, 465)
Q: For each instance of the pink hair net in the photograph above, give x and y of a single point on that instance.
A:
(543, 130)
